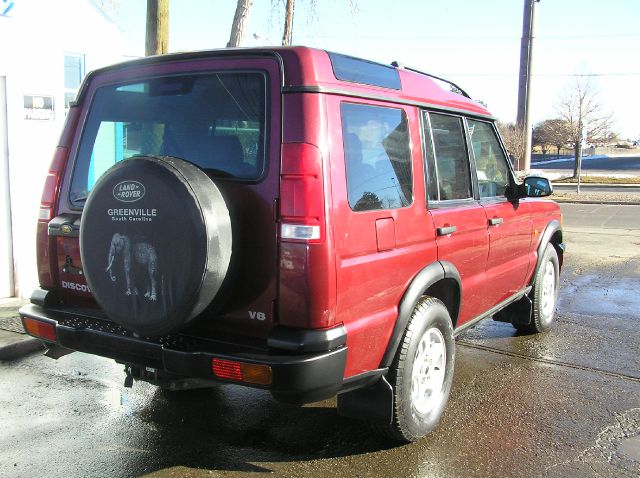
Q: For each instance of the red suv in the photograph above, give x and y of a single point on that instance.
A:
(289, 219)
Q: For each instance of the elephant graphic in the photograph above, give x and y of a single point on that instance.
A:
(144, 254)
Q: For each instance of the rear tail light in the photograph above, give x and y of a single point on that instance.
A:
(52, 183)
(50, 196)
(302, 199)
(256, 374)
(37, 328)
(47, 204)
(297, 231)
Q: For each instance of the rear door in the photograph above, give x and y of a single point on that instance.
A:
(221, 115)
(383, 235)
(460, 220)
(509, 222)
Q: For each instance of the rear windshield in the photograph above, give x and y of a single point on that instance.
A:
(215, 121)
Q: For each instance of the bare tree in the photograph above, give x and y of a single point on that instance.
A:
(584, 115)
(157, 38)
(311, 9)
(287, 34)
(108, 7)
(513, 139)
(243, 8)
(552, 132)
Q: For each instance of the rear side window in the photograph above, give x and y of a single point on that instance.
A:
(377, 157)
(216, 121)
(451, 158)
(491, 163)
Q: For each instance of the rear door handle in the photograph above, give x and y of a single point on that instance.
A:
(495, 221)
(443, 231)
(65, 225)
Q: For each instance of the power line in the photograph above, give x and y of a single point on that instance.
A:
(426, 37)
(540, 74)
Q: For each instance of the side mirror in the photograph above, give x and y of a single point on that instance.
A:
(536, 186)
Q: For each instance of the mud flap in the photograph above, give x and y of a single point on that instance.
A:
(518, 313)
(373, 403)
(57, 351)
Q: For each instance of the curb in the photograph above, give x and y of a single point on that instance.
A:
(20, 348)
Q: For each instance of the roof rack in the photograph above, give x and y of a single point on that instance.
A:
(455, 87)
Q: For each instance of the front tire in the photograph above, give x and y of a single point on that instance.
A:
(544, 294)
(422, 372)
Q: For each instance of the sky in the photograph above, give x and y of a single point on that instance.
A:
(475, 44)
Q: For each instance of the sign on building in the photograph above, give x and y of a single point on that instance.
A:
(38, 107)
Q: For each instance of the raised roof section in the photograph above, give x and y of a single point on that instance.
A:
(310, 69)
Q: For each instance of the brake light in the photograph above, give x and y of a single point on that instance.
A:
(50, 196)
(302, 202)
(47, 205)
(52, 183)
(43, 330)
(256, 374)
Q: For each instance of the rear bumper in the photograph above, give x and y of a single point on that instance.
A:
(301, 372)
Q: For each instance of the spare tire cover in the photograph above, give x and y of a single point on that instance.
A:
(155, 241)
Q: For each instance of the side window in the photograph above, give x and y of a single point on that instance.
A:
(377, 157)
(491, 163)
(451, 159)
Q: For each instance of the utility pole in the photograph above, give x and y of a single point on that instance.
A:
(583, 138)
(157, 39)
(287, 36)
(524, 87)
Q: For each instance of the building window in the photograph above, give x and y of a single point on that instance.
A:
(73, 75)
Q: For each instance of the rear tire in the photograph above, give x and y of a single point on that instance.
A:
(422, 372)
(544, 294)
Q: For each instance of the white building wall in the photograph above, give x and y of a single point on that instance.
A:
(35, 37)
(6, 247)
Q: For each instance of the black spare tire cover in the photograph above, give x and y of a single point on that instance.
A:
(155, 240)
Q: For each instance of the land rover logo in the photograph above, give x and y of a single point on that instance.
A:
(128, 191)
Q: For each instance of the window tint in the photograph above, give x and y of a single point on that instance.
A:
(215, 121)
(491, 164)
(377, 157)
(366, 72)
(452, 162)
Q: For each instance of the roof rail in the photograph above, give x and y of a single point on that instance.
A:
(456, 88)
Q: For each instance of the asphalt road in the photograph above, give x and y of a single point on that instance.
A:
(605, 216)
(561, 404)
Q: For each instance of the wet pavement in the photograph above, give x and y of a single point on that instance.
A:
(562, 404)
